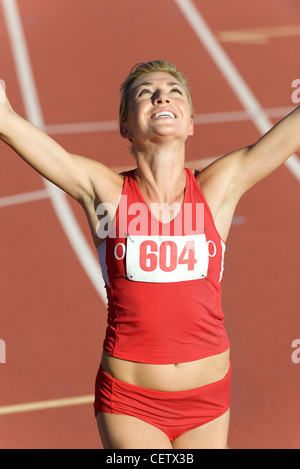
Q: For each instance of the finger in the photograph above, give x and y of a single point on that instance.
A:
(2, 92)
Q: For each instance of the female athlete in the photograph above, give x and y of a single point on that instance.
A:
(160, 232)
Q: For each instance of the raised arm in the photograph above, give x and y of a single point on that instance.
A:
(270, 152)
(227, 179)
(78, 176)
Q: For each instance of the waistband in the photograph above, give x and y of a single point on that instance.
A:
(151, 393)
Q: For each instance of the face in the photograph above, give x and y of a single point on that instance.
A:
(158, 108)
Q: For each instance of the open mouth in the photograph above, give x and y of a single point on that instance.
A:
(163, 114)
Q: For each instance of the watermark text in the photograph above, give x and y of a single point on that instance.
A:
(134, 218)
(296, 92)
(2, 351)
(296, 352)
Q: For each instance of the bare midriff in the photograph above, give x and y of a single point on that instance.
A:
(171, 377)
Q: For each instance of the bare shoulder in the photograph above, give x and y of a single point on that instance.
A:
(218, 180)
(106, 184)
(220, 188)
(106, 188)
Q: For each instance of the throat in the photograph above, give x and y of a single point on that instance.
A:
(165, 211)
(163, 196)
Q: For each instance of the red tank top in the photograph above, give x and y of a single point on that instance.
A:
(163, 280)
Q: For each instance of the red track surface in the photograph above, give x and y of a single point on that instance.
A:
(52, 319)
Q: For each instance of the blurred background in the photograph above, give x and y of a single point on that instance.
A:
(63, 62)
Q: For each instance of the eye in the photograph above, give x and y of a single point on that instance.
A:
(176, 90)
(145, 90)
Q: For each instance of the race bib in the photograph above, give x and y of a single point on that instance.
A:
(164, 259)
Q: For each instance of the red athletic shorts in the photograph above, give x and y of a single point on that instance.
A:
(172, 412)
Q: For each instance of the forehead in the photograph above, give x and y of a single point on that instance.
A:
(155, 78)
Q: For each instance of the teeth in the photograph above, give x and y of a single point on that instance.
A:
(164, 114)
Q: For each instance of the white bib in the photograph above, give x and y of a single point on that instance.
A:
(164, 259)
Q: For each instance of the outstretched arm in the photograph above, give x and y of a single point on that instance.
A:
(270, 152)
(73, 174)
(228, 178)
(240, 170)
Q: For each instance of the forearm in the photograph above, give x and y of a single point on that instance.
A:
(281, 141)
(32, 144)
(42, 153)
(270, 152)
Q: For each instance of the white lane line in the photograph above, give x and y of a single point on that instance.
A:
(239, 116)
(43, 405)
(199, 119)
(231, 74)
(259, 36)
(43, 194)
(23, 198)
(32, 196)
(34, 115)
(82, 127)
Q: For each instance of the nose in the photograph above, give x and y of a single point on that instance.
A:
(160, 97)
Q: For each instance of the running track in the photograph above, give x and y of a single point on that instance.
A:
(63, 62)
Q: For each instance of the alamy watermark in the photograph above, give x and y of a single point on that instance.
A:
(296, 353)
(296, 92)
(135, 219)
(2, 351)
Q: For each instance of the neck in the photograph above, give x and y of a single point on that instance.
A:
(160, 173)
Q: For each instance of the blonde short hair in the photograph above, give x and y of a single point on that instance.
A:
(142, 69)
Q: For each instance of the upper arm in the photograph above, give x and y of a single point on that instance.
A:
(268, 153)
(76, 175)
(102, 183)
(219, 181)
(238, 171)
(225, 180)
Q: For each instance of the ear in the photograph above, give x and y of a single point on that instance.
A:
(191, 128)
(125, 132)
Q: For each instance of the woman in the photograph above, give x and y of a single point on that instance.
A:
(160, 232)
